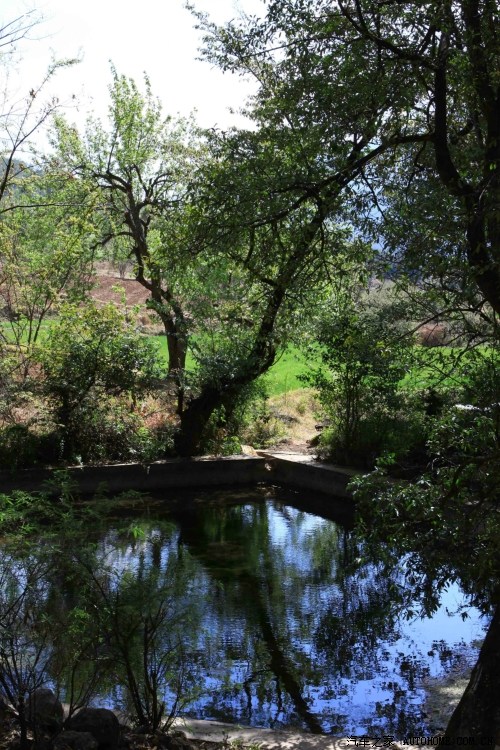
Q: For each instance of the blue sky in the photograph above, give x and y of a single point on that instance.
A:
(156, 36)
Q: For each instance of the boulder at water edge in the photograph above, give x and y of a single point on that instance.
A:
(45, 710)
(100, 722)
(71, 740)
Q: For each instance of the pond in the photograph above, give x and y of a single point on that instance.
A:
(257, 609)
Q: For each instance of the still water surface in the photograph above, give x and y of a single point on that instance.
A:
(292, 630)
(279, 620)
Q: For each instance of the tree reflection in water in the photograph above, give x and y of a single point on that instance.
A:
(268, 612)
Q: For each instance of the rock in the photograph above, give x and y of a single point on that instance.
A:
(45, 710)
(100, 722)
(71, 740)
(248, 450)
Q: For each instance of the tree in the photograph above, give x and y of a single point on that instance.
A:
(30, 281)
(431, 73)
(450, 53)
(47, 258)
(21, 119)
(365, 349)
(139, 167)
(207, 243)
(16, 29)
(273, 263)
(280, 192)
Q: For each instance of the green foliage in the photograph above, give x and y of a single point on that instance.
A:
(106, 429)
(46, 256)
(137, 168)
(364, 358)
(121, 627)
(53, 508)
(94, 348)
(262, 427)
(21, 446)
(282, 376)
(447, 519)
(481, 376)
(90, 355)
(225, 432)
(30, 624)
(148, 445)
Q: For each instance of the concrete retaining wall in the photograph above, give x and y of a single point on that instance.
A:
(183, 473)
(172, 474)
(296, 471)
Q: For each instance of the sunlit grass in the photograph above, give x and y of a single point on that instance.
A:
(284, 375)
(281, 378)
(440, 367)
(433, 366)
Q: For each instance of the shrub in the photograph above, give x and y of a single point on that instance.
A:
(481, 374)
(18, 447)
(262, 426)
(25, 445)
(364, 359)
(397, 429)
(89, 356)
(227, 429)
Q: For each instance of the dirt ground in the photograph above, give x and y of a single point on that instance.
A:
(296, 416)
(443, 695)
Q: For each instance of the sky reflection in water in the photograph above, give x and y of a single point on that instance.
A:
(282, 624)
(292, 632)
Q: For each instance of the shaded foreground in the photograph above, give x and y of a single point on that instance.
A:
(270, 614)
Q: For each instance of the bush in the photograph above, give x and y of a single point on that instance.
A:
(22, 446)
(248, 421)
(90, 356)
(364, 359)
(481, 374)
(220, 437)
(18, 447)
(397, 429)
(262, 426)
(106, 430)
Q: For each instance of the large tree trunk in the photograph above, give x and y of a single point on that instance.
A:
(162, 301)
(195, 418)
(177, 351)
(484, 260)
(478, 713)
(174, 322)
(480, 200)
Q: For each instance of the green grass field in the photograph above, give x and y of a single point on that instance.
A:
(281, 378)
(284, 374)
(434, 365)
